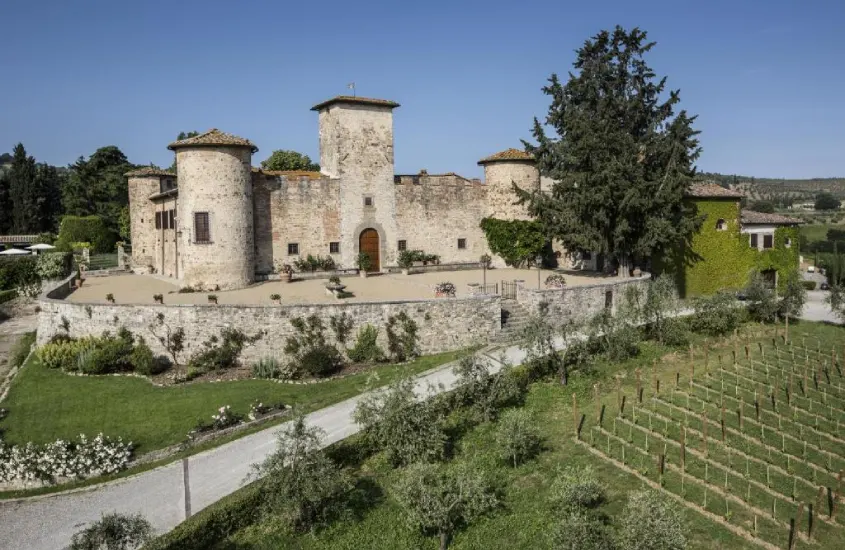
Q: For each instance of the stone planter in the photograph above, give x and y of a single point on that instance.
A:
(362, 273)
(286, 277)
(406, 271)
(335, 290)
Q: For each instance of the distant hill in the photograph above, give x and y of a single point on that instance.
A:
(798, 190)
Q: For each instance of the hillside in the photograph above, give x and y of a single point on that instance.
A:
(798, 190)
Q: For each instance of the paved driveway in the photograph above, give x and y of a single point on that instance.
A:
(815, 309)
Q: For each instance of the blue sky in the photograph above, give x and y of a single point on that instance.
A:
(767, 79)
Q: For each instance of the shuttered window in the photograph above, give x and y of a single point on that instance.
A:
(172, 219)
(158, 220)
(202, 231)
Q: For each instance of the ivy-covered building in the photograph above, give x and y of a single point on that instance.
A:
(731, 244)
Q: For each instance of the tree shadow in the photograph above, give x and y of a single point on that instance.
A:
(365, 496)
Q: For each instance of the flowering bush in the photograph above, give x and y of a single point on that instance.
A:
(555, 281)
(63, 459)
(444, 289)
(225, 418)
(257, 409)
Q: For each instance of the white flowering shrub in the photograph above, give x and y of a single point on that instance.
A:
(225, 418)
(79, 458)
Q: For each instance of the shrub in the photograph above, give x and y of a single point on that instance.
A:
(762, 303)
(334, 280)
(21, 349)
(275, 297)
(809, 285)
(309, 350)
(650, 522)
(483, 392)
(315, 263)
(341, 325)
(107, 354)
(320, 361)
(113, 532)
(613, 336)
(363, 261)
(19, 272)
(143, 360)
(555, 281)
(90, 229)
(582, 531)
(366, 348)
(223, 353)
(406, 429)
(53, 265)
(445, 289)
(269, 368)
(407, 258)
(716, 315)
(794, 295)
(303, 487)
(517, 437)
(439, 500)
(575, 489)
(402, 339)
(62, 353)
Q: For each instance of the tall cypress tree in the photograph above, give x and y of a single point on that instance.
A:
(622, 159)
(23, 192)
(5, 204)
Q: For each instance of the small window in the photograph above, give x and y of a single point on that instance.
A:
(721, 225)
(787, 242)
(293, 249)
(462, 244)
(202, 228)
(172, 219)
(768, 241)
(608, 299)
(754, 240)
(334, 248)
(368, 201)
(158, 220)
(586, 256)
(402, 245)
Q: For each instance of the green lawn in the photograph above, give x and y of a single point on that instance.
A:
(45, 404)
(815, 232)
(527, 519)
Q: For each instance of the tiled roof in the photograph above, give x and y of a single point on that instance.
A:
(355, 100)
(712, 191)
(750, 217)
(212, 138)
(289, 173)
(508, 155)
(149, 171)
(164, 194)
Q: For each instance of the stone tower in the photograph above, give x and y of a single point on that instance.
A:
(356, 146)
(501, 171)
(214, 212)
(143, 184)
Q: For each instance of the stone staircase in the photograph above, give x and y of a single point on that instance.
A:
(514, 320)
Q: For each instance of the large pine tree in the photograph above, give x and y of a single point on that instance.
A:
(97, 186)
(622, 159)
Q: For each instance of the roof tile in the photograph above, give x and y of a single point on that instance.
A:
(149, 171)
(707, 190)
(212, 138)
(508, 155)
(750, 217)
(355, 100)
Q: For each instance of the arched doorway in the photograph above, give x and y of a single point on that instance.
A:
(368, 243)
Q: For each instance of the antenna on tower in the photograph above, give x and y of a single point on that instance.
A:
(351, 86)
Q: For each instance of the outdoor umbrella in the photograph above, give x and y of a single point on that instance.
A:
(14, 252)
(41, 246)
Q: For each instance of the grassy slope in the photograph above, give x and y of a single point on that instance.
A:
(45, 405)
(815, 232)
(526, 518)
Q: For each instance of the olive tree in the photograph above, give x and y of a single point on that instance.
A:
(483, 392)
(794, 295)
(580, 530)
(302, 486)
(577, 494)
(114, 532)
(762, 301)
(650, 522)
(407, 430)
(441, 499)
(517, 437)
(659, 309)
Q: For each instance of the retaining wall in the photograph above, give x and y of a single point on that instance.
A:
(444, 324)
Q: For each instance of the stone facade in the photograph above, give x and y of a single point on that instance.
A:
(260, 220)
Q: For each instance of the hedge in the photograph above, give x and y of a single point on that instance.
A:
(213, 524)
(809, 285)
(91, 229)
(6, 295)
(17, 272)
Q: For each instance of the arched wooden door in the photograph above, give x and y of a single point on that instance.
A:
(368, 243)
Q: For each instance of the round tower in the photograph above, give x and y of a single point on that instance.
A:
(214, 211)
(145, 183)
(501, 171)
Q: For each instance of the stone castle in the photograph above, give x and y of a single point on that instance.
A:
(219, 222)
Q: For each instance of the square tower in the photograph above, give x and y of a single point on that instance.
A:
(356, 146)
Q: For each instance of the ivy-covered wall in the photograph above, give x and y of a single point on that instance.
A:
(716, 259)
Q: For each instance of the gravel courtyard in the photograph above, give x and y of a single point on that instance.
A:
(139, 289)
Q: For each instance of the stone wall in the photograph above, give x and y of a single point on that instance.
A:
(578, 303)
(142, 229)
(499, 178)
(432, 216)
(444, 324)
(302, 210)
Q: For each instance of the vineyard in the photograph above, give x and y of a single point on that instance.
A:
(749, 434)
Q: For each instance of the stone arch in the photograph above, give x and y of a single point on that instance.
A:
(382, 241)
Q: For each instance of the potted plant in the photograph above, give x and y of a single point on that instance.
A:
(276, 298)
(158, 298)
(405, 261)
(287, 273)
(444, 290)
(334, 283)
(364, 263)
(555, 280)
(110, 298)
(212, 298)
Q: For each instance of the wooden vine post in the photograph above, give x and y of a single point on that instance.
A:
(639, 387)
(683, 449)
(722, 421)
(704, 432)
(576, 417)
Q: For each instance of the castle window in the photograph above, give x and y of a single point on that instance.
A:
(172, 218)
(293, 249)
(402, 245)
(754, 240)
(202, 228)
(768, 241)
(462, 244)
(368, 201)
(158, 220)
(721, 225)
(787, 242)
(334, 248)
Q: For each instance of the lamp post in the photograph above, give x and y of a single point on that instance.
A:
(538, 261)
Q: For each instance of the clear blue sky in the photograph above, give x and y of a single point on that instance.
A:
(767, 79)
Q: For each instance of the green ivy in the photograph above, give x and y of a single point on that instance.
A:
(515, 241)
(716, 260)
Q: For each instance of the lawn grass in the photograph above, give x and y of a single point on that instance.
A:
(526, 520)
(45, 405)
(815, 232)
